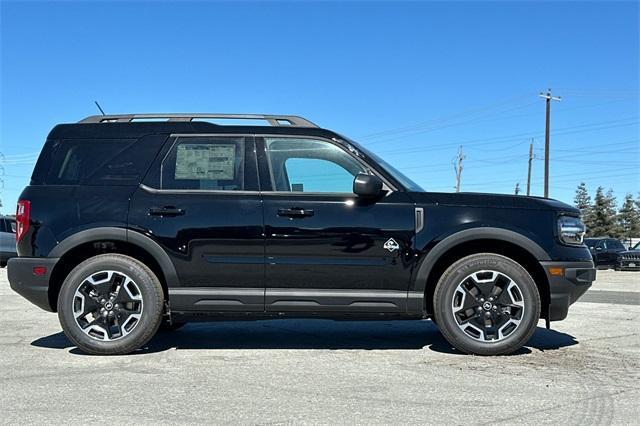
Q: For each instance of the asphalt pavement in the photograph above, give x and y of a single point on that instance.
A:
(586, 370)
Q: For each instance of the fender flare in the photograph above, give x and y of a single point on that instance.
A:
(471, 234)
(125, 235)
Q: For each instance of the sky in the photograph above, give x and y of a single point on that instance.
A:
(411, 81)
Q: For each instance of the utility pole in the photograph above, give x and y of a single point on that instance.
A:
(457, 167)
(548, 98)
(529, 172)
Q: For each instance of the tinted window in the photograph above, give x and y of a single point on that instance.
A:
(591, 243)
(305, 165)
(3, 226)
(615, 245)
(102, 161)
(11, 225)
(208, 163)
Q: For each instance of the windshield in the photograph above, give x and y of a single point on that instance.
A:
(591, 243)
(397, 174)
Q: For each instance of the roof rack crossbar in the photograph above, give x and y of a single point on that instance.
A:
(273, 120)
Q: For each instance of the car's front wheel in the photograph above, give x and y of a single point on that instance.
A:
(486, 304)
(110, 304)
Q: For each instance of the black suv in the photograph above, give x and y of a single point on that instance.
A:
(605, 252)
(133, 222)
(630, 259)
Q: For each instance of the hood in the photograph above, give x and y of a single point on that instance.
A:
(472, 199)
(632, 251)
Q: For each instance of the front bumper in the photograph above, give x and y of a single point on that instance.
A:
(23, 280)
(629, 264)
(567, 282)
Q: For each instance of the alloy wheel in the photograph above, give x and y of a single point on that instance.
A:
(488, 306)
(107, 305)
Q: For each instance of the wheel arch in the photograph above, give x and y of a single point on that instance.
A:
(88, 243)
(507, 243)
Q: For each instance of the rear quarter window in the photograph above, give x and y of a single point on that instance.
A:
(102, 161)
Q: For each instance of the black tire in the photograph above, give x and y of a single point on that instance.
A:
(455, 282)
(167, 325)
(149, 302)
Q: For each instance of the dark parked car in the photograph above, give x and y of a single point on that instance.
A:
(133, 222)
(7, 239)
(629, 260)
(605, 251)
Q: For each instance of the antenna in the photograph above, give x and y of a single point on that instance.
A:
(98, 105)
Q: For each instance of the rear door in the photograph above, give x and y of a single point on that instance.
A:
(200, 202)
(328, 250)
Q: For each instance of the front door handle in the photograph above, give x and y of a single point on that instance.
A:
(295, 212)
(166, 211)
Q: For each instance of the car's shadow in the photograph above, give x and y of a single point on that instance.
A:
(312, 334)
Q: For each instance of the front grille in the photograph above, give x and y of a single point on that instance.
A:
(631, 256)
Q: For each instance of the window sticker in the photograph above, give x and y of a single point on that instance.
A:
(205, 162)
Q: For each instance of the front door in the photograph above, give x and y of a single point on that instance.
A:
(328, 250)
(200, 202)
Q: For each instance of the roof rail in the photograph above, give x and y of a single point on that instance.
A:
(273, 120)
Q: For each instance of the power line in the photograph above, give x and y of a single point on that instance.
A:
(518, 136)
(445, 118)
(427, 126)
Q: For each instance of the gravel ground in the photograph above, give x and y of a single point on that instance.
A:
(584, 371)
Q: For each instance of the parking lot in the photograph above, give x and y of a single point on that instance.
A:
(584, 371)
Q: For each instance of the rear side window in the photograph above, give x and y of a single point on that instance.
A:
(204, 163)
(102, 161)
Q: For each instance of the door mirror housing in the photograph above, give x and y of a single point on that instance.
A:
(367, 185)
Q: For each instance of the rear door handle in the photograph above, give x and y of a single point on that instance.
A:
(295, 212)
(166, 211)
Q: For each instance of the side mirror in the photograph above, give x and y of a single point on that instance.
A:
(367, 185)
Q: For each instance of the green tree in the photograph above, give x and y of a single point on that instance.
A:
(603, 215)
(582, 201)
(629, 217)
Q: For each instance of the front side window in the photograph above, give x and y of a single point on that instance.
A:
(309, 165)
(615, 245)
(204, 163)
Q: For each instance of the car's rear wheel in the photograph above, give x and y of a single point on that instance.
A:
(110, 304)
(486, 304)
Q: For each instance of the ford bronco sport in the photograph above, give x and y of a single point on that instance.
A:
(135, 222)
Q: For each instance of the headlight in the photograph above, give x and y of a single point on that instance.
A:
(571, 230)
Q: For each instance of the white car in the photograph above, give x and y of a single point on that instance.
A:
(7, 240)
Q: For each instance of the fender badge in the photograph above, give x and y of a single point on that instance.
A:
(391, 245)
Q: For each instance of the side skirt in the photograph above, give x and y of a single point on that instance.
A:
(294, 302)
